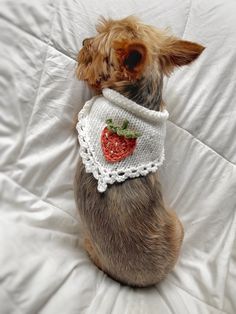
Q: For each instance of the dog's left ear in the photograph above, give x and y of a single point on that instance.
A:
(176, 52)
(132, 57)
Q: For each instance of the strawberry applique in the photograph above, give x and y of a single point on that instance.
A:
(118, 142)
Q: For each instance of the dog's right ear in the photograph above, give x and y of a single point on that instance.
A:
(132, 57)
(175, 52)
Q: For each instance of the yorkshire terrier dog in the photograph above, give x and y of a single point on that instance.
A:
(129, 233)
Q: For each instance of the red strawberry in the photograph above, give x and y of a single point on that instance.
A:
(118, 142)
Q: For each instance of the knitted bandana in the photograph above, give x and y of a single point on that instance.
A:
(120, 139)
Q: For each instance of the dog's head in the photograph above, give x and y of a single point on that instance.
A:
(127, 50)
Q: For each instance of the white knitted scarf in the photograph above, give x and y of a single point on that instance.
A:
(148, 154)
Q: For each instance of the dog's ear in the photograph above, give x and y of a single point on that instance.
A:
(132, 57)
(176, 52)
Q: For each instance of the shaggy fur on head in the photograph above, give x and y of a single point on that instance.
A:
(131, 58)
(128, 231)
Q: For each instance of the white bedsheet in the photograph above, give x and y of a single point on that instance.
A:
(42, 267)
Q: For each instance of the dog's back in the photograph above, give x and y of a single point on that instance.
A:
(129, 233)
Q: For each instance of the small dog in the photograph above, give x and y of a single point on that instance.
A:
(128, 231)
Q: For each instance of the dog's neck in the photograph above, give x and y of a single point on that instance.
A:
(146, 92)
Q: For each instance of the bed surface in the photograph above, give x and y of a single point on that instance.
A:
(42, 267)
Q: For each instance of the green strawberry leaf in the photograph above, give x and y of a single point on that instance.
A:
(122, 130)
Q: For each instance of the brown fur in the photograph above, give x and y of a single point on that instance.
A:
(130, 234)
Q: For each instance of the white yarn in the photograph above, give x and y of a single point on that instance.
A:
(148, 155)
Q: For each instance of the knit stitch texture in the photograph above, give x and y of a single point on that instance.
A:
(148, 155)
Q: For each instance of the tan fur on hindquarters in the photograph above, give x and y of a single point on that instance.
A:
(129, 232)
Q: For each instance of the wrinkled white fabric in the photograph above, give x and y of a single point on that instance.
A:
(148, 155)
(43, 268)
